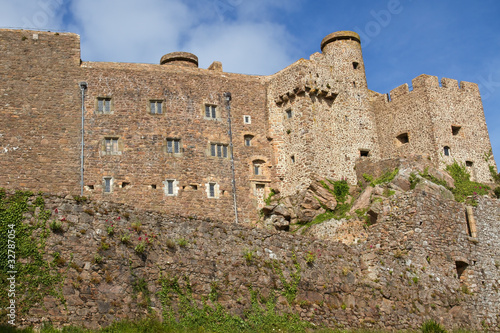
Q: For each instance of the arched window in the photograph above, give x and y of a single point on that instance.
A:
(446, 151)
(258, 166)
(248, 140)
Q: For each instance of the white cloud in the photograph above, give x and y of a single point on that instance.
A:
(32, 14)
(131, 32)
(231, 31)
(252, 48)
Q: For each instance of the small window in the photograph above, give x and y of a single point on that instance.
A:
(355, 65)
(156, 107)
(247, 119)
(455, 130)
(364, 153)
(469, 164)
(108, 184)
(248, 140)
(403, 138)
(446, 150)
(153, 186)
(218, 150)
(170, 187)
(289, 113)
(212, 190)
(461, 266)
(210, 111)
(125, 184)
(111, 146)
(173, 146)
(104, 105)
(292, 158)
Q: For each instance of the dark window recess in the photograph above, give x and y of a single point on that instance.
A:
(355, 65)
(364, 153)
(461, 267)
(153, 186)
(469, 164)
(403, 138)
(292, 158)
(373, 217)
(125, 184)
(91, 187)
(289, 113)
(194, 187)
(455, 130)
(446, 151)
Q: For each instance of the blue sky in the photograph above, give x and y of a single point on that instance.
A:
(401, 39)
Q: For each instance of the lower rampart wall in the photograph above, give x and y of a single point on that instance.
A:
(404, 274)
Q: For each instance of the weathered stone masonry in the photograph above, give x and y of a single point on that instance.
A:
(151, 131)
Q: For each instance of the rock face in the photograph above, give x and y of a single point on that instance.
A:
(302, 207)
(415, 263)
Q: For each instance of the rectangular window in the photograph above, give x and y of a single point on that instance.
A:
(170, 187)
(211, 190)
(218, 150)
(174, 146)
(111, 146)
(210, 111)
(155, 107)
(247, 119)
(289, 113)
(108, 181)
(104, 105)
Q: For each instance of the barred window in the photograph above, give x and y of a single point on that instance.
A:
(211, 190)
(108, 183)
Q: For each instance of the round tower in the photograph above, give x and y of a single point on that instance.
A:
(343, 51)
(180, 59)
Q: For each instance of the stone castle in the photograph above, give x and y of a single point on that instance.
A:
(177, 138)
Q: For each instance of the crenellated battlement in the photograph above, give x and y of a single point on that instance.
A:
(427, 83)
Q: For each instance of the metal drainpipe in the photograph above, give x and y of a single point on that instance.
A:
(83, 87)
(227, 95)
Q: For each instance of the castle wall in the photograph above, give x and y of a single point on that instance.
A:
(142, 165)
(435, 116)
(40, 110)
(404, 274)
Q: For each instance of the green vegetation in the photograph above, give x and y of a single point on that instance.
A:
(36, 277)
(249, 256)
(269, 197)
(464, 187)
(385, 178)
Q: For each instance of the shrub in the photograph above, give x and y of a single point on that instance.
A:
(97, 258)
(125, 239)
(341, 190)
(56, 226)
(430, 326)
(464, 187)
(182, 242)
(497, 192)
(310, 257)
(248, 255)
(140, 248)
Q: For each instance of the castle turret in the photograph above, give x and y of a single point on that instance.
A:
(185, 59)
(344, 50)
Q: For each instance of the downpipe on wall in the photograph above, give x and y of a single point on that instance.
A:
(83, 87)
